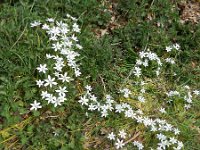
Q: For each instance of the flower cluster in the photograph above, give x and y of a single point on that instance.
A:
(143, 61)
(185, 94)
(138, 145)
(121, 139)
(166, 142)
(90, 100)
(147, 56)
(119, 143)
(126, 92)
(175, 46)
(61, 67)
(109, 105)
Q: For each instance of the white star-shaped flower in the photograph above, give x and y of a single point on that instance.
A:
(93, 98)
(84, 101)
(56, 46)
(138, 144)
(88, 88)
(92, 107)
(35, 105)
(173, 140)
(50, 20)
(119, 108)
(168, 48)
(141, 98)
(42, 68)
(142, 54)
(61, 91)
(111, 136)
(104, 113)
(35, 24)
(50, 81)
(122, 134)
(176, 46)
(65, 78)
(126, 92)
(79, 46)
(51, 98)
(45, 94)
(39, 83)
(56, 102)
(77, 73)
(119, 144)
(196, 92)
(45, 27)
(176, 131)
(161, 136)
(162, 110)
(76, 27)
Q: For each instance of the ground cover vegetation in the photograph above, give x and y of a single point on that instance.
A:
(99, 74)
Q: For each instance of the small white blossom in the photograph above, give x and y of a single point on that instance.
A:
(187, 106)
(170, 60)
(137, 71)
(45, 27)
(142, 54)
(39, 83)
(173, 93)
(168, 48)
(119, 144)
(61, 91)
(92, 107)
(84, 101)
(77, 73)
(50, 98)
(50, 20)
(35, 105)
(111, 136)
(65, 78)
(35, 24)
(173, 140)
(141, 99)
(45, 94)
(79, 46)
(139, 62)
(176, 46)
(42, 68)
(196, 92)
(138, 144)
(56, 102)
(76, 27)
(88, 88)
(126, 92)
(176, 131)
(50, 81)
(122, 134)
(163, 144)
(56, 46)
(142, 90)
(145, 63)
(93, 98)
(162, 110)
(104, 113)
(161, 136)
(119, 108)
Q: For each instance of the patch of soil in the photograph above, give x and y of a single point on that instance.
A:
(190, 11)
(115, 22)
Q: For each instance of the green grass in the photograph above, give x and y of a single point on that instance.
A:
(106, 62)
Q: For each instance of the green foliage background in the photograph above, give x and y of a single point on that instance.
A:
(109, 57)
